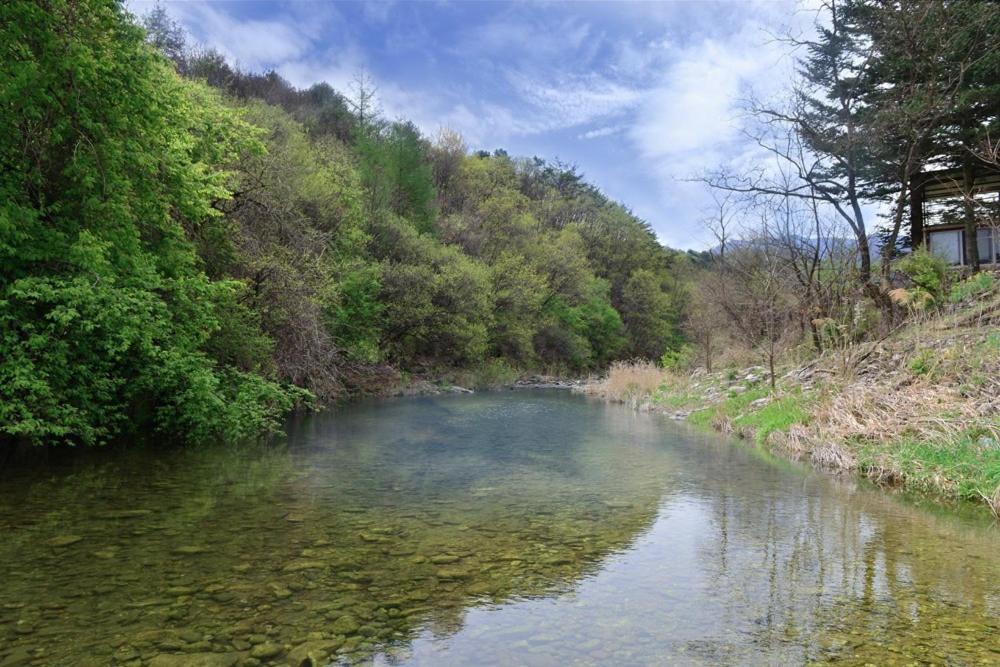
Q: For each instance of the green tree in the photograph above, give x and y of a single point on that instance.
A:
(105, 316)
(649, 315)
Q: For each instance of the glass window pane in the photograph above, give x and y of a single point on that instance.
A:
(947, 245)
(984, 241)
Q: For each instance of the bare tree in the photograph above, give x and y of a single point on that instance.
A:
(799, 174)
(705, 322)
(820, 262)
(751, 290)
(364, 100)
(722, 219)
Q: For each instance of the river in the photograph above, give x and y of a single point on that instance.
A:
(517, 528)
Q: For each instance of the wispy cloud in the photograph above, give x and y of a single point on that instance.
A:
(575, 100)
(606, 131)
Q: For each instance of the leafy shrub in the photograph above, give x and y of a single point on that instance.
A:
(677, 359)
(923, 363)
(979, 284)
(928, 273)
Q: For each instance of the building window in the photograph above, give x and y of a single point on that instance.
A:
(947, 245)
(984, 240)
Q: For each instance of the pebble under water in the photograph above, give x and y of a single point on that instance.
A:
(518, 528)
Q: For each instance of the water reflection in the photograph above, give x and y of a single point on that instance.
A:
(529, 528)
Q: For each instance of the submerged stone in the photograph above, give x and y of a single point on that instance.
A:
(190, 550)
(452, 573)
(299, 566)
(345, 625)
(444, 559)
(266, 650)
(124, 514)
(194, 660)
(312, 653)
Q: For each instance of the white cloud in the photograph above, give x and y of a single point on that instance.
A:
(249, 42)
(696, 108)
(606, 131)
(575, 100)
(338, 68)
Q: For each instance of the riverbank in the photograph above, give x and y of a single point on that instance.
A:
(919, 410)
(465, 381)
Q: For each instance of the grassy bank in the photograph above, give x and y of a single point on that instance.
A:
(919, 410)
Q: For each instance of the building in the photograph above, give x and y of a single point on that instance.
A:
(947, 205)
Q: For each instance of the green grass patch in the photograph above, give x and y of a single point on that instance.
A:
(923, 363)
(732, 406)
(778, 415)
(967, 467)
(664, 397)
(977, 285)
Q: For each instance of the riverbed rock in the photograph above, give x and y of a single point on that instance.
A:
(124, 514)
(312, 653)
(451, 573)
(444, 559)
(300, 565)
(266, 651)
(345, 625)
(190, 550)
(18, 657)
(279, 591)
(194, 660)
(23, 627)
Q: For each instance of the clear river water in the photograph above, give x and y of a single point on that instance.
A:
(517, 528)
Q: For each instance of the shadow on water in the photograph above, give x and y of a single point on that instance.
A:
(518, 528)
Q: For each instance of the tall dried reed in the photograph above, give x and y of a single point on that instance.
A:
(632, 382)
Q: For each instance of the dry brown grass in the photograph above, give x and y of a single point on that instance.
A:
(884, 412)
(631, 382)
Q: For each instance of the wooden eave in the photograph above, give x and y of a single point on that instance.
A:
(946, 183)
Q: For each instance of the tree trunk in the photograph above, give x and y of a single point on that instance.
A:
(770, 363)
(971, 235)
(916, 215)
(865, 255)
(897, 223)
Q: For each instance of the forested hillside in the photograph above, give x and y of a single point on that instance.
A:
(197, 249)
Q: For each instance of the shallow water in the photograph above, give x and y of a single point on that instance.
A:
(521, 528)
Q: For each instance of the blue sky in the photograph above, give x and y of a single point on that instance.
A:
(639, 96)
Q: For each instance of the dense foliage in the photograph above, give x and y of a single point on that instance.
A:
(193, 248)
